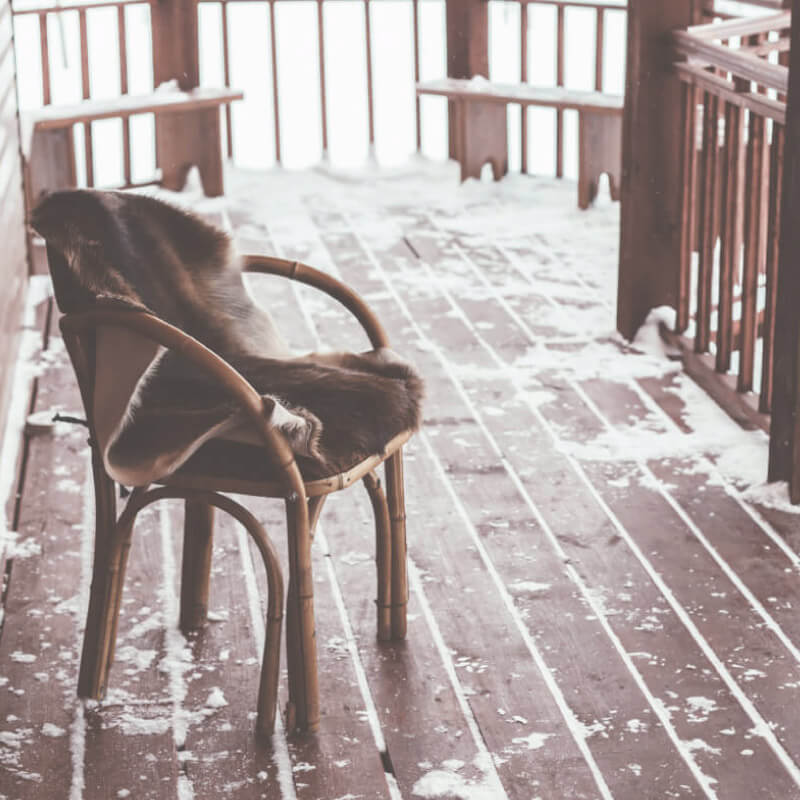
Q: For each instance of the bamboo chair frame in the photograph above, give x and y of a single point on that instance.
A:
(303, 501)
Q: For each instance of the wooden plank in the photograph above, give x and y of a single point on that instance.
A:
(163, 102)
(130, 736)
(482, 501)
(573, 422)
(650, 238)
(39, 646)
(14, 265)
(722, 388)
(522, 93)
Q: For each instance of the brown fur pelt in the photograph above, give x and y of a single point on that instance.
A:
(136, 252)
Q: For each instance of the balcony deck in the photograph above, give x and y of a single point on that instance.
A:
(601, 604)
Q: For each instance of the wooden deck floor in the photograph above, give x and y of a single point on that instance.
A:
(597, 609)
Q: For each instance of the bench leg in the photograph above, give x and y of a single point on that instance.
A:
(481, 136)
(188, 138)
(600, 148)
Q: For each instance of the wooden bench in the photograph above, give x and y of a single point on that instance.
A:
(187, 134)
(481, 134)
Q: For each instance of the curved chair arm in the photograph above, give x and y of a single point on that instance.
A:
(294, 270)
(242, 392)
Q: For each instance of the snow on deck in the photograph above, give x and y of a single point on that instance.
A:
(602, 593)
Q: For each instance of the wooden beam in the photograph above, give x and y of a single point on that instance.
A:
(784, 445)
(650, 241)
(467, 24)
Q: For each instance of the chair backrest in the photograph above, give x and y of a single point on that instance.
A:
(135, 253)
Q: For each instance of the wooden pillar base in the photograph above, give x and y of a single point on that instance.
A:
(190, 138)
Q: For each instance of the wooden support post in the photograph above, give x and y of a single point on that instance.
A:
(650, 243)
(191, 138)
(467, 47)
(175, 48)
(784, 444)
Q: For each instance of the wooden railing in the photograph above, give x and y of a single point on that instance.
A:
(710, 200)
(61, 18)
(58, 13)
(733, 143)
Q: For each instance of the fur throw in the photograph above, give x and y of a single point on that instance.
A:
(152, 410)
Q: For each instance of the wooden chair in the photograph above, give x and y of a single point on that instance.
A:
(267, 471)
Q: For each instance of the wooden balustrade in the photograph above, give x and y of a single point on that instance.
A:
(736, 269)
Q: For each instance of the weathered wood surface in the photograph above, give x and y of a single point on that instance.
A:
(14, 265)
(589, 616)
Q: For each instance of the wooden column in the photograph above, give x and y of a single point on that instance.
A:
(784, 444)
(175, 48)
(467, 46)
(649, 257)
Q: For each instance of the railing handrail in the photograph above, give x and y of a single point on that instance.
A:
(742, 26)
(743, 65)
(51, 8)
(759, 104)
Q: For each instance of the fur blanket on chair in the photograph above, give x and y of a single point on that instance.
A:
(152, 409)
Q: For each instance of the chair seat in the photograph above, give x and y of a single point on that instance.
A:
(232, 466)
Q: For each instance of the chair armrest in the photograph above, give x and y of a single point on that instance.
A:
(166, 335)
(302, 273)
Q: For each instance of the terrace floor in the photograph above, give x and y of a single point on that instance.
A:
(603, 604)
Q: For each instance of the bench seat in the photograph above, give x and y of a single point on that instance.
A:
(187, 134)
(481, 133)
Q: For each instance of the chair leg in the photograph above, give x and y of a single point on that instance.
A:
(315, 505)
(383, 555)
(397, 514)
(198, 545)
(270, 665)
(112, 542)
(301, 650)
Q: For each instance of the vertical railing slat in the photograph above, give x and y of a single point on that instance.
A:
(226, 73)
(523, 76)
(707, 222)
(754, 247)
(86, 91)
(599, 49)
(275, 98)
(773, 251)
(688, 201)
(417, 107)
(370, 97)
(560, 82)
(123, 88)
(45, 53)
(322, 93)
(730, 233)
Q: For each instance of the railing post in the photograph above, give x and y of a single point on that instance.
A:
(649, 256)
(467, 46)
(175, 47)
(784, 443)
